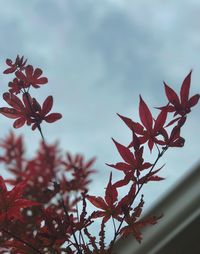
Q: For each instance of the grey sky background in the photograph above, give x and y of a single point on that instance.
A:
(99, 56)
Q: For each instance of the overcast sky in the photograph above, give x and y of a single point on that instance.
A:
(99, 56)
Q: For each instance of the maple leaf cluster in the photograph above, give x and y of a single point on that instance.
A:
(46, 209)
(26, 110)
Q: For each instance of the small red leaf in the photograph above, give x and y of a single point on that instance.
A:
(127, 121)
(122, 182)
(124, 152)
(185, 89)
(160, 121)
(19, 122)
(173, 121)
(121, 166)
(13, 101)
(194, 100)
(37, 72)
(111, 193)
(97, 201)
(27, 102)
(145, 115)
(42, 81)
(47, 105)
(9, 112)
(171, 95)
(52, 117)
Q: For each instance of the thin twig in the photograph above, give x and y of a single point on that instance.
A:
(72, 229)
(160, 154)
(114, 225)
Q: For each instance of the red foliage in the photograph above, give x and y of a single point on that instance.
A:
(19, 64)
(134, 224)
(12, 202)
(46, 210)
(31, 77)
(109, 205)
(29, 110)
(181, 106)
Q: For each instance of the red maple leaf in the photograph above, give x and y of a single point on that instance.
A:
(132, 165)
(29, 110)
(11, 202)
(19, 63)
(42, 113)
(152, 131)
(32, 77)
(108, 205)
(174, 139)
(182, 105)
(16, 86)
(134, 224)
(150, 128)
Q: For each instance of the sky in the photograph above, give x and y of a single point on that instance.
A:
(99, 56)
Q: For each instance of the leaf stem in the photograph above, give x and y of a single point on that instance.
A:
(114, 225)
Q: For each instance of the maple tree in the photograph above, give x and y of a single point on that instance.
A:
(46, 210)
